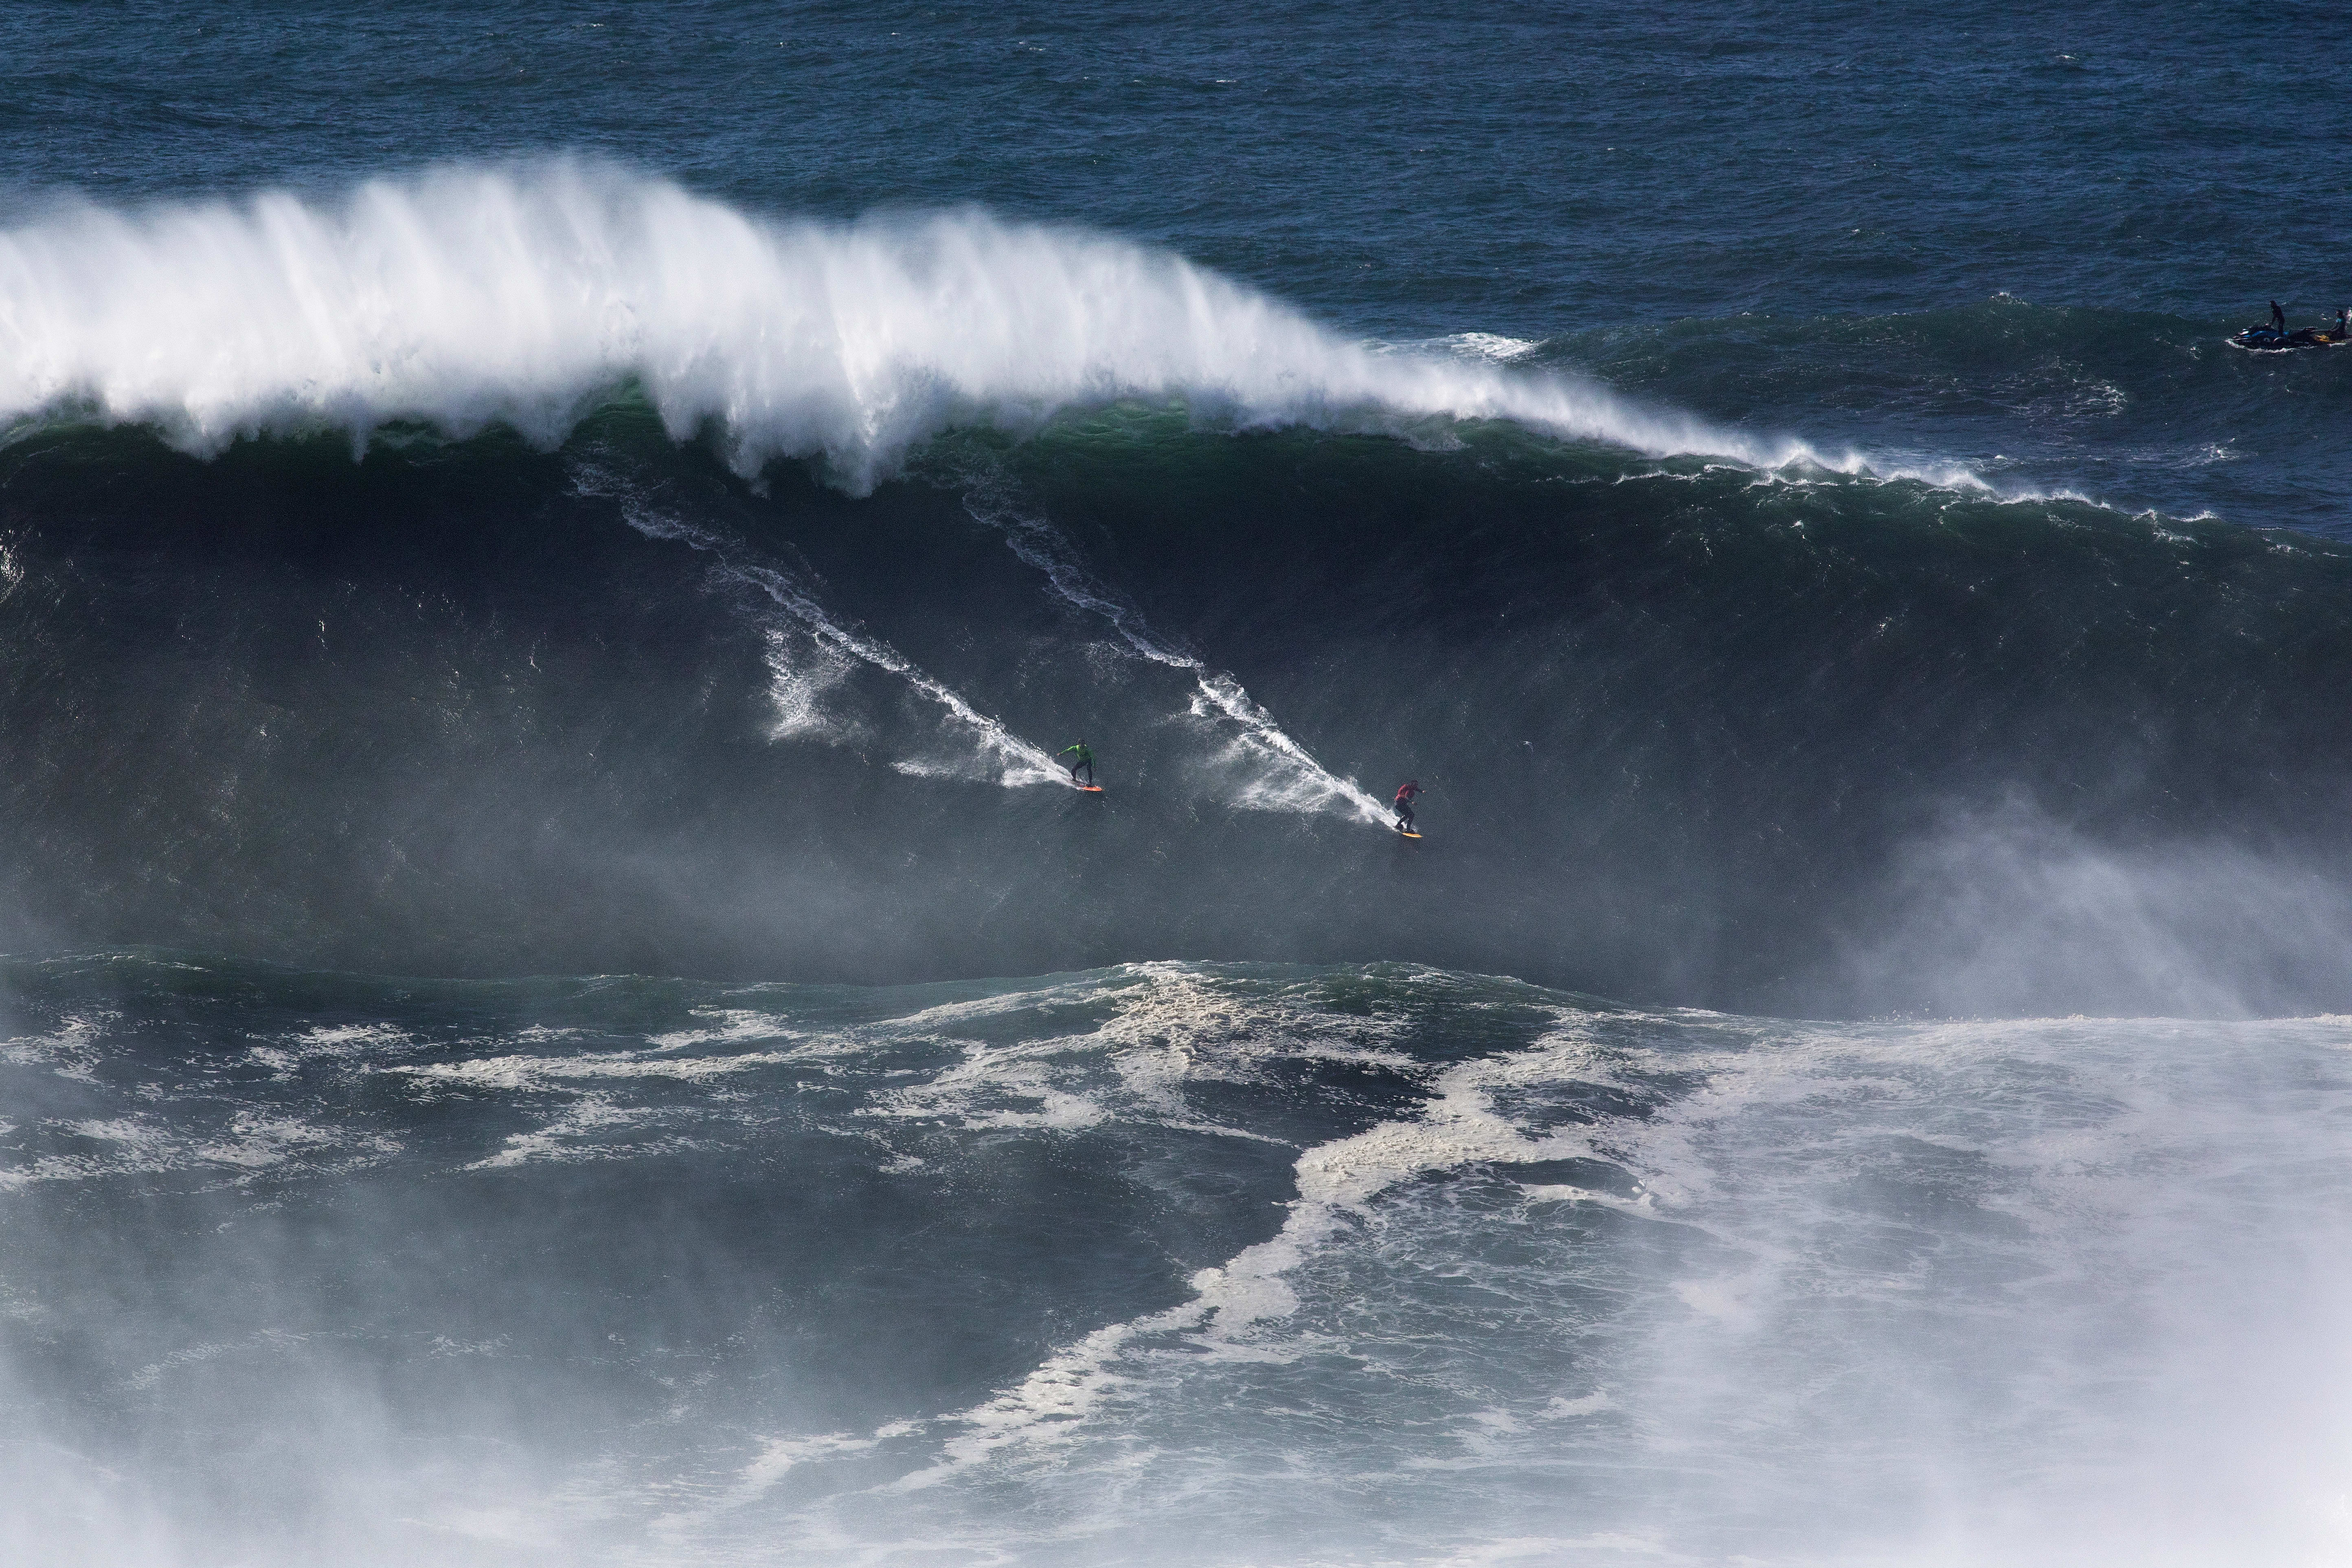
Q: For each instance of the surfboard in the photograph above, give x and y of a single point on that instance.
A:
(1402, 834)
(1088, 789)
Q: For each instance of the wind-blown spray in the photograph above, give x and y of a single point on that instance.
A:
(1284, 775)
(524, 295)
(1006, 758)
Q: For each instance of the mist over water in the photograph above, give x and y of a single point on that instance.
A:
(1384, 1261)
(558, 1003)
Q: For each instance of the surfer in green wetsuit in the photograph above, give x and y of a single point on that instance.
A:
(1080, 757)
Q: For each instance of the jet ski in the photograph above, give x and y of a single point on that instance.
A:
(2269, 340)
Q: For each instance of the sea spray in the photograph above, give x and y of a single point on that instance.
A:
(524, 295)
(1281, 775)
(1001, 755)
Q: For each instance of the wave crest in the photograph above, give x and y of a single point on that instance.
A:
(524, 295)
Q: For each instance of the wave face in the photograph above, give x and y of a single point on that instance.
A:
(523, 298)
(1339, 1265)
(1694, 732)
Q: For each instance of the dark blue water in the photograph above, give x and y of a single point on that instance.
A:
(1536, 172)
(559, 1007)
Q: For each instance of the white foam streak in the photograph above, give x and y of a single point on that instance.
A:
(144, 1144)
(1287, 779)
(1457, 1126)
(524, 294)
(1283, 776)
(1007, 758)
(1001, 756)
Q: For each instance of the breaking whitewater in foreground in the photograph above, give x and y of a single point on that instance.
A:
(1161, 1262)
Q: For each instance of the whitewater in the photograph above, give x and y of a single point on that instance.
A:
(525, 297)
(1617, 1287)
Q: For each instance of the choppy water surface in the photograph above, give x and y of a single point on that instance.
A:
(1221, 1263)
(546, 562)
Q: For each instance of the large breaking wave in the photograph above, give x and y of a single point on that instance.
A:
(1696, 731)
(526, 295)
(869, 1271)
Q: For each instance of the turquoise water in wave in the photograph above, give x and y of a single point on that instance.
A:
(556, 1005)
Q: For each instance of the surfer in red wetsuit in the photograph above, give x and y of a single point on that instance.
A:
(1404, 798)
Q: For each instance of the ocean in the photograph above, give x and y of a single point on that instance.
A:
(558, 1004)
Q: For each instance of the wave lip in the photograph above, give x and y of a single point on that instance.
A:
(522, 295)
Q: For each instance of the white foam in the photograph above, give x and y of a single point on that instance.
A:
(1282, 775)
(71, 1051)
(582, 1127)
(329, 1042)
(154, 1372)
(2093, 1361)
(1277, 773)
(522, 294)
(343, 1037)
(1487, 346)
(142, 1144)
(779, 1457)
(726, 1025)
(1456, 1126)
(997, 754)
(799, 683)
(995, 1086)
(559, 1141)
(519, 1072)
(994, 755)
(257, 1140)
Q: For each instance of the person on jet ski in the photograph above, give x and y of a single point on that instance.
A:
(2278, 318)
(2314, 337)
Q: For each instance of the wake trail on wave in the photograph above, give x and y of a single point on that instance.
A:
(1284, 777)
(1006, 758)
(525, 294)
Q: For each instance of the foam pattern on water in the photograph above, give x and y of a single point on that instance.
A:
(1172, 1263)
